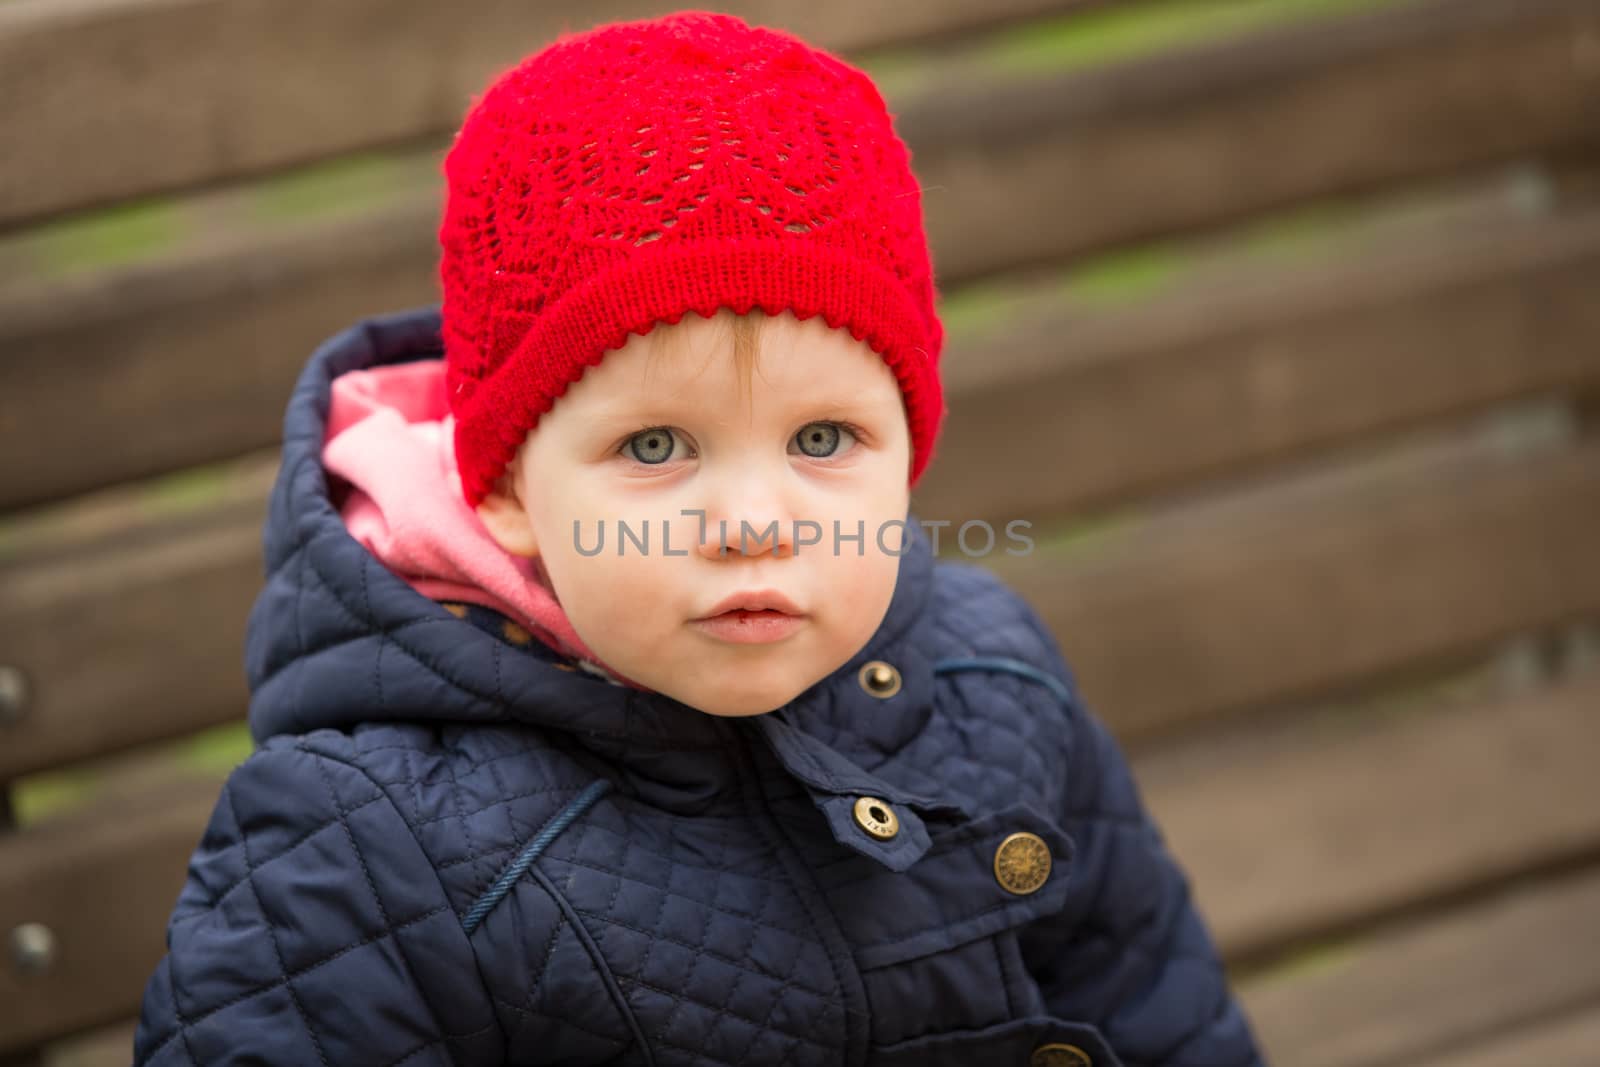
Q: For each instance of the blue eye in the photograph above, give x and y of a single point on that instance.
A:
(820, 440)
(652, 446)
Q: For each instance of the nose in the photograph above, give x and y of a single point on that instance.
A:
(748, 517)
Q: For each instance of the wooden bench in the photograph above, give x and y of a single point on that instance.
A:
(1280, 327)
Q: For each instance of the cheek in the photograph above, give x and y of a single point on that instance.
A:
(622, 607)
(860, 587)
(602, 585)
(860, 580)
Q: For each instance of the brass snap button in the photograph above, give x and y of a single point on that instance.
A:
(879, 679)
(1059, 1056)
(877, 818)
(1021, 865)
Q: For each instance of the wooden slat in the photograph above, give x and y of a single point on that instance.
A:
(1226, 607)
(156, 408)
(105, 1047)
(1570, 1041)
(205, 375)
(105, 886)
(1066, 410)
(1450, 982)
(1032, 172)
(1493, 311)
(134, 643)
(1238, 605)
(56, 873)
(1402, 93)
(231, 87)
(1313, 824)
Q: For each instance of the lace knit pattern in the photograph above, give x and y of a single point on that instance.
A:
(632, 173)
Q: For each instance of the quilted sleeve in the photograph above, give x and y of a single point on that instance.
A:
(313, 929)
(1130, 952)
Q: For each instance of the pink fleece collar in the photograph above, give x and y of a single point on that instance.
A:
(391, 437)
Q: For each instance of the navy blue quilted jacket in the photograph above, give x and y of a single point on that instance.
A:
(451, 850)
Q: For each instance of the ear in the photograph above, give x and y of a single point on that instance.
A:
(503, 516)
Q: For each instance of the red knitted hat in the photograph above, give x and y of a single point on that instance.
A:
(635, 172)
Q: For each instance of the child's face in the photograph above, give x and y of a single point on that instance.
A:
(648, 435)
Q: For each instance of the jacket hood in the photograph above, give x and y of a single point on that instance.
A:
(390, 445)
(336, 639)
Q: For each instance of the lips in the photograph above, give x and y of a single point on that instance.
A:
(753, 617)
(754, 600)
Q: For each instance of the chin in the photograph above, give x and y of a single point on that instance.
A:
(723, 704)
(738, 712)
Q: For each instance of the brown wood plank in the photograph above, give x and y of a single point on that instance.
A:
(191, 363)
(1408, 325)
(108, 1046)
(104, 883)
(1240, 604)
(1448, 983)
(1064, 410)
(1366, 814)
(230, 87)
(1286, 593)
(1030, 172)
(1507, 781)
(1414, 91)
(233, 87)
(133, 643)
(1570, 1041)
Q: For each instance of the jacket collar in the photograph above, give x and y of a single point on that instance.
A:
(331, 611)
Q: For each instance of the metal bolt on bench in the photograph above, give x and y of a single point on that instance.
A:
(13, 695)
(33, 948)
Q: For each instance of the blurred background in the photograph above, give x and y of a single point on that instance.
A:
(1279, 319)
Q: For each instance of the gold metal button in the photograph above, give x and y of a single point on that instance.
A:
(1059, 1056)
(879, 679)
(1021, 865)
(877, 818)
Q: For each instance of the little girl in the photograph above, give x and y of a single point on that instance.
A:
(611, 707)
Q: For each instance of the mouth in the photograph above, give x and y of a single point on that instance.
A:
(753, 602)
(749, 618)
